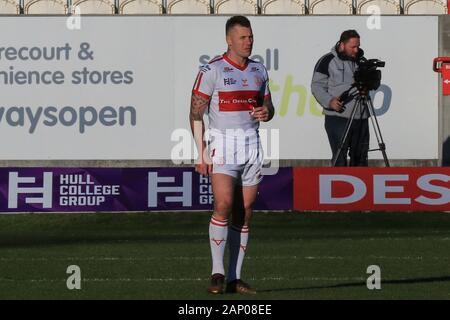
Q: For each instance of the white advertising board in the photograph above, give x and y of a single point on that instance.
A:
(119, 87)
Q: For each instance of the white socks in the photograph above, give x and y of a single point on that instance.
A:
(218, 231)
(238, 238)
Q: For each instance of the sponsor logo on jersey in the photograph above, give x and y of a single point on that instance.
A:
(238, 100)
(258, 81)
(227, 69)
(205, 68)
(245, 82)
(229, 81)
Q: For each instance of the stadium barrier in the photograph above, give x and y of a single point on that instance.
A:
(182, 189)
(89, 117)
(372, 189)
(124, 189)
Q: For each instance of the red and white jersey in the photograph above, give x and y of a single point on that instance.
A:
(234, 92)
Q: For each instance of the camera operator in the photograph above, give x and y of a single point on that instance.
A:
(333, 75)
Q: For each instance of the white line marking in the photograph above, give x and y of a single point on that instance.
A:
(132, 259)
(305, 279)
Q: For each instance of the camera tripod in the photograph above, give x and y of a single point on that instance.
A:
(362, 103)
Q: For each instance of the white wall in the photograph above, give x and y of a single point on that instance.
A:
(164, 53)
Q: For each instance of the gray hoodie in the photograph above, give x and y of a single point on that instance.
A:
(333, 74)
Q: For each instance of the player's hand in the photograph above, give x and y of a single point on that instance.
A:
(336, 104)
(260, 113)
(205, 167)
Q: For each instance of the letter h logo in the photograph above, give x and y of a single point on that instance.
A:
(154, 189)
(229, 81)
(14, 190)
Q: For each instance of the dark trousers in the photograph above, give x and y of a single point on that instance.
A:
(356, 144)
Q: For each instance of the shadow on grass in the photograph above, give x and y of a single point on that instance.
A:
(65, 240)
(363, 284)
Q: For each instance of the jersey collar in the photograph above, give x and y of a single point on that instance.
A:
(242, 68)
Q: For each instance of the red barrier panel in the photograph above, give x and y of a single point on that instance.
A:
(442, 65)
(372, 189)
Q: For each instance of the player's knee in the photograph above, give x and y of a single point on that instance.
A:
(223, 207)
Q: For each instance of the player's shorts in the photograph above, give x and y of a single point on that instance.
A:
(242, 162)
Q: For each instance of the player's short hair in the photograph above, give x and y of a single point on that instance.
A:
(348, 34)
(237, 20)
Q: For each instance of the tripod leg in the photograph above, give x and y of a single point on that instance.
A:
(346, 131)
(359, 143)
(376, 127)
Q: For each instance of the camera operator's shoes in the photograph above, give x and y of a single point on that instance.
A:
(239, 286)
(217, 283)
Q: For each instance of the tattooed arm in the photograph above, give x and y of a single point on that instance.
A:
(198, 107)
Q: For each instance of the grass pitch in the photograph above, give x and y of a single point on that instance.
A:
(167, 255)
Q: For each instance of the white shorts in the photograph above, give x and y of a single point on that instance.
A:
(243, 162)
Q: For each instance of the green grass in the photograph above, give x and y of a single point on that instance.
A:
(166, 256)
